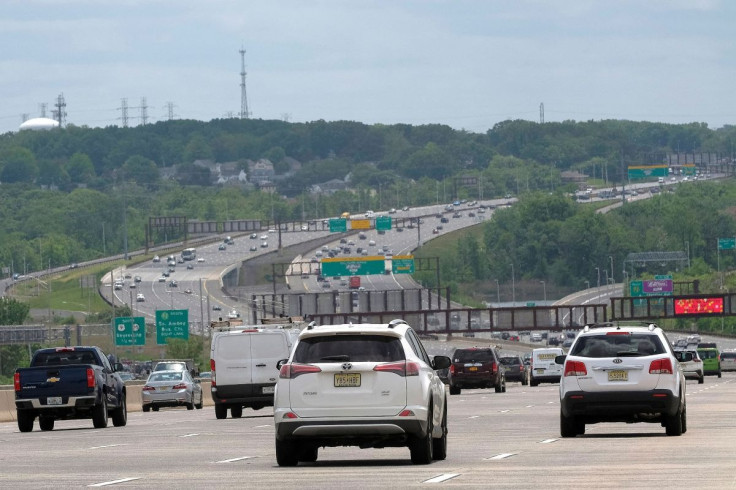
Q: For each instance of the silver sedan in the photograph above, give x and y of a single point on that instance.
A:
(171, 389)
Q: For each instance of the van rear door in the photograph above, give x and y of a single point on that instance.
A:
(231, 352)
(267, 348)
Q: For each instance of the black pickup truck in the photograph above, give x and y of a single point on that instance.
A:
(69, 383)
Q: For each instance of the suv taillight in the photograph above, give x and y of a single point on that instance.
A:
(494, 367)
(16, 381)
(402, 368)
(90, 378)
(661, 366)
(291, 371)
(575, 368)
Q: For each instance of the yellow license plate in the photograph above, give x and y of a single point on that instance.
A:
(347, 380)
(473, 368)
(618, 375)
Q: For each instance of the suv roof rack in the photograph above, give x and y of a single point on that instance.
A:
(590, 326)
(397, 321)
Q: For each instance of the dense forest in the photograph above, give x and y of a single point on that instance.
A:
(77, 193)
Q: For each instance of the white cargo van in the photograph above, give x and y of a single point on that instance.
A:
(243, 363)
(544, 369)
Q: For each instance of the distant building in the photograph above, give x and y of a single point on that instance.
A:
(39, 124)
(262, 172)
(329, 187)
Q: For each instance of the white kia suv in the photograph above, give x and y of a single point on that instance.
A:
(622, 373)
(366, 385)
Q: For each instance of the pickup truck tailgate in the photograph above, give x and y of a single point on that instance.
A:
(54, 381)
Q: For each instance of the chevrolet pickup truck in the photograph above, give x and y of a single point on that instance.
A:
(69, 383)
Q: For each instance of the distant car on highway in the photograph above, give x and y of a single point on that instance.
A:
(171, 389)
(140, 298)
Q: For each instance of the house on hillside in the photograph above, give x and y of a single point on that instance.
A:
(261, 171)
(329, 187)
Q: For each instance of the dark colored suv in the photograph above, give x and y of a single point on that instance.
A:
(515, 369)
(476, 367)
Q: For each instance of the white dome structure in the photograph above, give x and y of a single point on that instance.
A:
(39, 124)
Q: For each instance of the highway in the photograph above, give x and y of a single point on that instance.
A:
(202, 277)
(505, 440)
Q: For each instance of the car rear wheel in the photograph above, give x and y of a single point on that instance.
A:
(719, 373)
(190, 405)
(236, 412)
(25, 421)
(286, 454)
(568, 426)
(146, 408)
(684, 419)
(120, 414)
(154, 408)
(199, 405)
(220, 411)
(99, 415)
(533, 383)
(701, 379)
(421, 447)
(46, 423)
(673, 423)
(454, 390)
(439, 449)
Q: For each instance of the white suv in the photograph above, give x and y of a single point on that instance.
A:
(622, 373)
(367, 385)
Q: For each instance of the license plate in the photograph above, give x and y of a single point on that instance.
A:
(618, 375)
(539, 371)
(473, 368)
(163, 388)
(53, 400)
(268, 389)
(346, 380)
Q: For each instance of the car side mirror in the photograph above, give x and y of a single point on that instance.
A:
(682, 356)
(441, 362)
(281, 363)
(560, 359)
(118, 367)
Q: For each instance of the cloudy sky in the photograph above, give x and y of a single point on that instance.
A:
(466, 63)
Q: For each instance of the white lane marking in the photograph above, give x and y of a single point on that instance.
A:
(505, 411)
(547, 441)
(441, 478)
(234, 459)
(189, 435)
(262, 426)
(114, 482)
(549, 403)
(500, 456)
(530, 406)
(109, 445)
(474, 416)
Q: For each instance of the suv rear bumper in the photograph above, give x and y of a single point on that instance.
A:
(615, 406)
(364, 433)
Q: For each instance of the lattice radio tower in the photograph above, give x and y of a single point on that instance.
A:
(541, 113)
(244, 113)
(60, 112)
(124, 111)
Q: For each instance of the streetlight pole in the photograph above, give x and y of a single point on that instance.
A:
(498, 293)
(587, 284)
(513, 286)
(613, 280)
(598, 271)
(544, 287)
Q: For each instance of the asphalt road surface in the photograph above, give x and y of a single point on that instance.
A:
(505, 440)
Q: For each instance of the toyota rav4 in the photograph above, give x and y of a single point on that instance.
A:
(622, 373)
(366, 385)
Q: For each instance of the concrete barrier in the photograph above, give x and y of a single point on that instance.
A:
(133, 390)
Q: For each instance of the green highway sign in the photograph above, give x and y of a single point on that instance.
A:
(402, 264)
(130, 330)
(363, 266)
(171, 324)
(338, 225)
(726, 243)
(383, 223)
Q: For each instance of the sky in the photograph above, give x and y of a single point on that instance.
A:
(469, 64)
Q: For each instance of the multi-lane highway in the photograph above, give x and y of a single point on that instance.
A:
(199, 282)
(504, 440)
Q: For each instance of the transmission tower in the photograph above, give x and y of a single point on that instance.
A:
(60, 111)
(42, 108)
(170, 111)
(541, 113)
(244, 113)
(144, 111)
(124, 111)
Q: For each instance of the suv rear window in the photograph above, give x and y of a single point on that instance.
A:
(353, 348)
(597, 346)
(510, 361)
(708, 353)
(728, 355)
(473, 355)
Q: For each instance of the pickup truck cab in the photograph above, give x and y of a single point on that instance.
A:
(69, 383)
